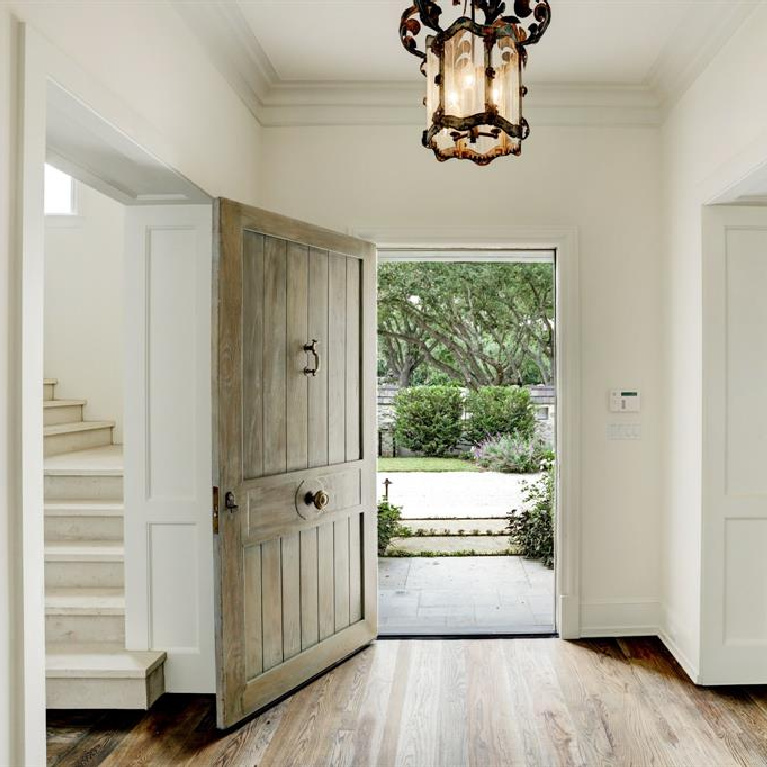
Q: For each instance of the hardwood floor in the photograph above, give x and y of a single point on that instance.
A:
(449, 703)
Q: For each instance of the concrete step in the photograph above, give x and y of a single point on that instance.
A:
(57, 411)
(84, 564)
(49, 385)
(102, 677)
(85, 616)
(90, 475)
(459, 527)
(78, 435)
(83, 521)
(446, 545)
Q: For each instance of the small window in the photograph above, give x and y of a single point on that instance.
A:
(59, 193)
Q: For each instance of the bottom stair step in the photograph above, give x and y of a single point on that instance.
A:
(81, 676)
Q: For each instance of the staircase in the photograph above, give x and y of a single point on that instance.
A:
(87, 665)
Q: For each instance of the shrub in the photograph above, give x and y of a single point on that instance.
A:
(499, 410)
(429, 419)
(511, 454)
(388, 524)
(532, 528)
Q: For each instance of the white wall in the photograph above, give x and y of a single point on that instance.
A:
(714, 134)
(84, 328)
(605, 181)
(143, 62)
(10, 607)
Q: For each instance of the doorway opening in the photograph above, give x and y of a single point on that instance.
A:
(126, 259)
(466, 408)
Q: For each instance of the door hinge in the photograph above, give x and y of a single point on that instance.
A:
(215, 511)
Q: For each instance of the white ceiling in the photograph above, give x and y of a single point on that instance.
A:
(595, 42)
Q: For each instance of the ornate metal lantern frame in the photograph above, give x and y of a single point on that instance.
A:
(481, 119)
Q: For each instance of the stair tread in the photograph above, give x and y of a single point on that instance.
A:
(100, 461)
(94, 661)
(85, 551)
(73, 427)
(53, 403)
(76, 601)
(84, 509)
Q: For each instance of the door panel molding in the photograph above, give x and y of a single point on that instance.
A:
(167, 452)
(733, 641)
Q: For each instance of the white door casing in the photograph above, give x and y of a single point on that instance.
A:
(734, 514)
(168, 441)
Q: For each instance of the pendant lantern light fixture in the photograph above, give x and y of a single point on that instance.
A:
(473, 69)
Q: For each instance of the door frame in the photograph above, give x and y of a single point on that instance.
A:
(564, 242)
(40, 62)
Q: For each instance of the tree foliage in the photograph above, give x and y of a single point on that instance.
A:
(476, 324)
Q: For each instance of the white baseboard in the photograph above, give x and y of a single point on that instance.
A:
(688, 667)
(633, 617)
(620, 618)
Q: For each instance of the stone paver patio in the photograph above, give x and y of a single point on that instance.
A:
(427, 495)
(464, 595)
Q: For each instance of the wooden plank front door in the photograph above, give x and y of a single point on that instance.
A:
(296, 563)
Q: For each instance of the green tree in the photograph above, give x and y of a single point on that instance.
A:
(477, 324)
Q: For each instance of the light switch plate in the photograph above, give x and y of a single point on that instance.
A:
(624, 431)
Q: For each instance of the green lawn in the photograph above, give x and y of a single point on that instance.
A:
(393, 465)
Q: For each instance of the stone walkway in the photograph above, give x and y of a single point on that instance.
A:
(464, 595)
(427, 495)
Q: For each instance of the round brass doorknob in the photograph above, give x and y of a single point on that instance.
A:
(319, 500)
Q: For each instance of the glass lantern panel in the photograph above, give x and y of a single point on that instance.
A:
(508, 80)
(464, 80)
(432, 88)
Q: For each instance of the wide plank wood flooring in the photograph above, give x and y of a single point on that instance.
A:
(446, 703)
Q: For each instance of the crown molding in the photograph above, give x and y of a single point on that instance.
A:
(402, 104)
(231, 45)
(229, 42)
(692, 47)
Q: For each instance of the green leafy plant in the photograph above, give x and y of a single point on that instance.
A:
(532, 528)
(389, 516)
(512, 454)
(499, 410)
(428, 418)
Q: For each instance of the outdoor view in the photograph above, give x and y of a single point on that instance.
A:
(466, 427)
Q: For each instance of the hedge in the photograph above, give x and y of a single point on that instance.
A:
(498, 410)
(428, 419)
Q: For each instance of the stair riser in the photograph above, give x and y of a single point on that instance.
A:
(66, 414)
(105, 693)
(83, 488)
(56, 444)
(85, 628)
(87, 575)
(83, 528)
(48, 391)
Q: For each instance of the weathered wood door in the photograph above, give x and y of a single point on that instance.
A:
(296, 560)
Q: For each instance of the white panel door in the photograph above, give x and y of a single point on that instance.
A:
(168, 448)
(734, 533)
